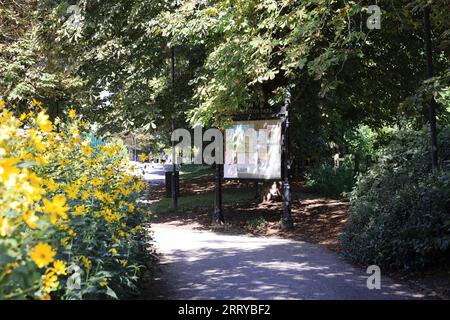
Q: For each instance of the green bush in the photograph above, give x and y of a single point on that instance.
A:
(400, 216)
(71, 219)
(330, 181)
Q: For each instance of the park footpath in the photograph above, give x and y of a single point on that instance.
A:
(203, 264)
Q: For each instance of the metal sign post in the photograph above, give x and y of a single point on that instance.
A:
(174, 166)
(218, 217)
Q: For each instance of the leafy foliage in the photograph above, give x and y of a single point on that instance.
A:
(330, 181)
(400, 215)
(70, 223)
(125, 66)
(233, 54)
(230, 55)
(28, 70)
(347, 83)
(320, 51)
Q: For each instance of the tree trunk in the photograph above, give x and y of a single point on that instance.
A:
(272, 192)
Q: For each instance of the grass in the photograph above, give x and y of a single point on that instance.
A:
(257, 223)
(193, 171)
(205, 200)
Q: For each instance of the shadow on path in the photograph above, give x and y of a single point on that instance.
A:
(205, 265)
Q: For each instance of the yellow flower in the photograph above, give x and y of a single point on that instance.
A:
(6, 131)
(63, 162)
(56, 208)
(108, 173)
(85, 195)
(79, 210)
(65, 241)
(45, 297)
(108, 199)
(125, 191)
(42, 159)
(30, 219)
(131, 207)
(85, 125)
(99, 195)
(36, 103)
(74, 130)
(4, 226)
(71, 191)
(81, 181)
(25, 155)
(49, 281)
(42, 254)
(141, 185)
(60, 267)
(87, 150)
(113, 251)
(123, 234)
(43, 122)
(2, 104)
(86, 262)
(36, 138)
(123, 262)
(96, 182)
(136, 229)
(72, 114)
(11, 266)
(143, 157)
(110, 216)
(63, 227)
(103, 283)
(23, 116)
(31, 185)
(8, 169)
(51, 185)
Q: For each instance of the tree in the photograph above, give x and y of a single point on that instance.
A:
(26, 70)
(234, 54)
(340, 73)
(125, 66)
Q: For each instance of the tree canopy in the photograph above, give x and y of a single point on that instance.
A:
(114, 62)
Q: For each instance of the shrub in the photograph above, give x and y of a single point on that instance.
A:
(400, 216)
(330, 181)
(70, 224)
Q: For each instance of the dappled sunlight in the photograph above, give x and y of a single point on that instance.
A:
(205, 265)
(316, 219)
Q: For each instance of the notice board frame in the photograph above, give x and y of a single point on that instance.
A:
(261, 114)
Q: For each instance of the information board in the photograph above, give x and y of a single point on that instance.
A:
(253, 150)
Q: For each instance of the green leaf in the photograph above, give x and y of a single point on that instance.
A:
(111, 293)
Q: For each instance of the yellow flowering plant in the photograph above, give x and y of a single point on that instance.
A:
(70, 219)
